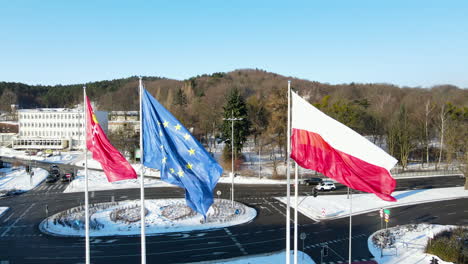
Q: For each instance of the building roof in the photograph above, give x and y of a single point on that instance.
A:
(51, 110)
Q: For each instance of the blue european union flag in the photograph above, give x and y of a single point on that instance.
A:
(169, 147)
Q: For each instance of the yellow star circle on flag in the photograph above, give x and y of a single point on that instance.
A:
(177, 127)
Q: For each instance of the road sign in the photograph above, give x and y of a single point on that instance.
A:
(303, 236)
(387, 211)
(218, 193)
(387, 218)
(325, 251)
(381, 213)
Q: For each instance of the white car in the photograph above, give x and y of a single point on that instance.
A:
(326, 186)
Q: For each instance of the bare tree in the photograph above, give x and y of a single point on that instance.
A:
(428, 110)
(7, 99)
(443, 122)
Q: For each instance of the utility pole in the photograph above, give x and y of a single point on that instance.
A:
(259, 160)
(232, 119)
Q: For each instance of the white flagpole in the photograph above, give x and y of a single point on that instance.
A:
(85, 106)
(350, 221)
(288, 187)
(296, 203)
(142, 186)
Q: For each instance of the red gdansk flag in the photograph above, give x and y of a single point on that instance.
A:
(320, 143)
(115, 166)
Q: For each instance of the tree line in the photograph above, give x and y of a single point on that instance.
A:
(411, 123)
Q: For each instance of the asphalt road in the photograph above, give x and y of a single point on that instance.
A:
(22, 242)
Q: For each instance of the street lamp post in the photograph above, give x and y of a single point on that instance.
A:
(232, 119)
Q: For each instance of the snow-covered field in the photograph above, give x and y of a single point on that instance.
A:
(337, 206)
(270, 258)
(63, 157)
(163, 216)
(97, 181)
(409, 245)
(18, 179)
(3, 210)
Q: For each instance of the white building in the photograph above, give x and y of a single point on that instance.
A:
(124, 120)
(53, 128)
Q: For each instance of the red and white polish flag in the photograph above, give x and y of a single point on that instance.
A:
(320, 143)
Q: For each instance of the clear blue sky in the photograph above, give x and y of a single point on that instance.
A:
(415, 43)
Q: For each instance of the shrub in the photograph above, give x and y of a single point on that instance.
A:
(451, 245)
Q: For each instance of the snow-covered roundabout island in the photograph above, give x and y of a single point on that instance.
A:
(162, 216)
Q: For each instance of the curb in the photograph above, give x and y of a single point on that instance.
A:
(377, 208)
(4, 212)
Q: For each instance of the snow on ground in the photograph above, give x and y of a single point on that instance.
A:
(3, 210)
(97, 181)
(249, 180)
(409, 246)
(164, 216)
(275, 257)
(18, 179)
(337, 206)
(63, 157)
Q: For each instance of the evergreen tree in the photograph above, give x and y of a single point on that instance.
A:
(235, 107)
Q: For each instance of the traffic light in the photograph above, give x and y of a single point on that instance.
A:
(325, 250)
(315, 192)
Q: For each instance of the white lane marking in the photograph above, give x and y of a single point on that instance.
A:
(452, 213)
(278, 210)
(234, 239)
(8, 218)
(17, 219)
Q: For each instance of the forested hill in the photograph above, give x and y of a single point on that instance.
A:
(203, 97)
(401, 114)
(122, 94)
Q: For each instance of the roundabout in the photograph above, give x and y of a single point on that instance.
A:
(162, 216)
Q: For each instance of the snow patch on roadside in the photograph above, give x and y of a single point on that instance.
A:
(3, 210)
(19, 179)
(337, 206)
(97, 181)
(409, 245)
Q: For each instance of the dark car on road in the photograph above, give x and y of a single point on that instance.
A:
(54, 175)
(67, 177)
(313, 181)
(51, 178)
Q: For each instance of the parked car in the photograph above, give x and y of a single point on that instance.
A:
(326, 186)
(312, 181)
(67, 177)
